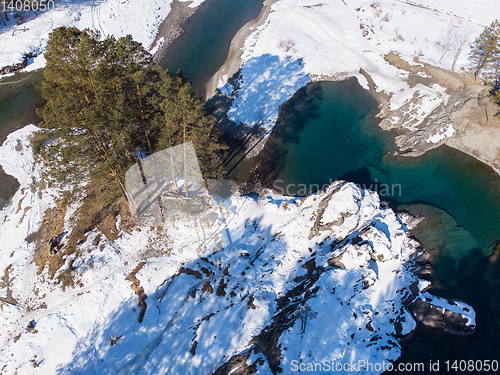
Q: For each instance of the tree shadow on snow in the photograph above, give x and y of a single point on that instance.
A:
(207, 300)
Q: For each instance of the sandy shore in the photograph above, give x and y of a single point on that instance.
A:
(474, 136)
(233, 61)
(171, 28)
(477, 130)
(479, 137)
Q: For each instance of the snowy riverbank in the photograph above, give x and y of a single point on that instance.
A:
(297, 41)
(254, 280)
(140, 18)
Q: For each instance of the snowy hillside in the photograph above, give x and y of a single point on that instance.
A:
(333, 39)
(249, 282)
(141, 18)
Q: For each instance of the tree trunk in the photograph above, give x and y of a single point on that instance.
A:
(444, 53)
(123, 190)
(144, 120)
(172, 170)
(481, 65)
(185, 159)
(174, 179)
(150, 149)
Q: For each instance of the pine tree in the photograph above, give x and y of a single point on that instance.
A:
(486, 50)
(90, 90)
(106, 107)
(184, 120)
(3, 13)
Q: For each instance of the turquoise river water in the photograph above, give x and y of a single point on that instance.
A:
(203, 47)
(18, 100)
(327, 131)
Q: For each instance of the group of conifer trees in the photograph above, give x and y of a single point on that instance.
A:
(107, 106)
(485, 58)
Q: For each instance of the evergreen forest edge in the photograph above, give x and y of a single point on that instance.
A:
(108, 106)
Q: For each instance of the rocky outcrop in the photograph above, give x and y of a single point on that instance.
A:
(434, 130)
(15, 67)
(451, 316)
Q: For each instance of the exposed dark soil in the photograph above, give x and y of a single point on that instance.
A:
(171, 28)
(92, 214)
(138, 290)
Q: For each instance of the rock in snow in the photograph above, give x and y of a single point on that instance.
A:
(452, 316)
(267, 283)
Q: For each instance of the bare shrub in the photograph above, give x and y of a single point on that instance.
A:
(287, 46)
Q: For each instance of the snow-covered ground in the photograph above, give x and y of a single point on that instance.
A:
(337, 38)
(332, 270)
(140, 18)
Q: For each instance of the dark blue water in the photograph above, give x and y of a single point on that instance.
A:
(327, 132)
(203, 47)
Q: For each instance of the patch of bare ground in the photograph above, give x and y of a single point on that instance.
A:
(138, 290)
(477, 129)
(94, 213)
(171, 28)
(5, 283)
